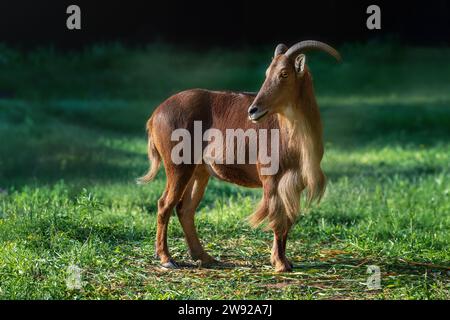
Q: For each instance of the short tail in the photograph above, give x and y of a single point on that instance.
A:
(154, 158)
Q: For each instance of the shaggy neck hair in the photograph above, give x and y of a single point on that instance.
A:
(304, 136)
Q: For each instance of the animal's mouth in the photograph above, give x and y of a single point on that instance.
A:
(257, 116)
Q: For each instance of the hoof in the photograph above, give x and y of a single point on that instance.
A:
(171, 264)
(208, 262)
(283, 267)
(203, 259)
(288, 262)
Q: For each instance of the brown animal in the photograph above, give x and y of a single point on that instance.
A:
(286, 101)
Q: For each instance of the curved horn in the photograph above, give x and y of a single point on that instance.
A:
(280, 49)
(312, 44)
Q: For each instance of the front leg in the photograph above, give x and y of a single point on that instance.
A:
(278, 256)
(279, 207)
(284, 244)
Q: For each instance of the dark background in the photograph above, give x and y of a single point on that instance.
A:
(30, 23)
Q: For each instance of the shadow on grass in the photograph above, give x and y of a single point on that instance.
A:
(391, 268)
(380, 124)
(220, 265)
(43, 165)
(318, 268)
(382, 171)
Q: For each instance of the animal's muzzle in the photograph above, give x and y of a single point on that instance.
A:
(255, 113)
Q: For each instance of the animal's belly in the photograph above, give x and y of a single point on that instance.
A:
(245, 175)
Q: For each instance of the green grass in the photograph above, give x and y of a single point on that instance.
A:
(73, 141)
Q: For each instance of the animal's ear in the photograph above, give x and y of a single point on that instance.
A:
(300, 63)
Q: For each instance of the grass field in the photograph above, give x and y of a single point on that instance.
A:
(73, 142)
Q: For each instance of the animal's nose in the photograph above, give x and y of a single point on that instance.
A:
(252, 110)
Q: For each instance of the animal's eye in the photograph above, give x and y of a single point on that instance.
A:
(284, 74)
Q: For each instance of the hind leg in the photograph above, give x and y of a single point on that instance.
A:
(186, 213)
(176, 184)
